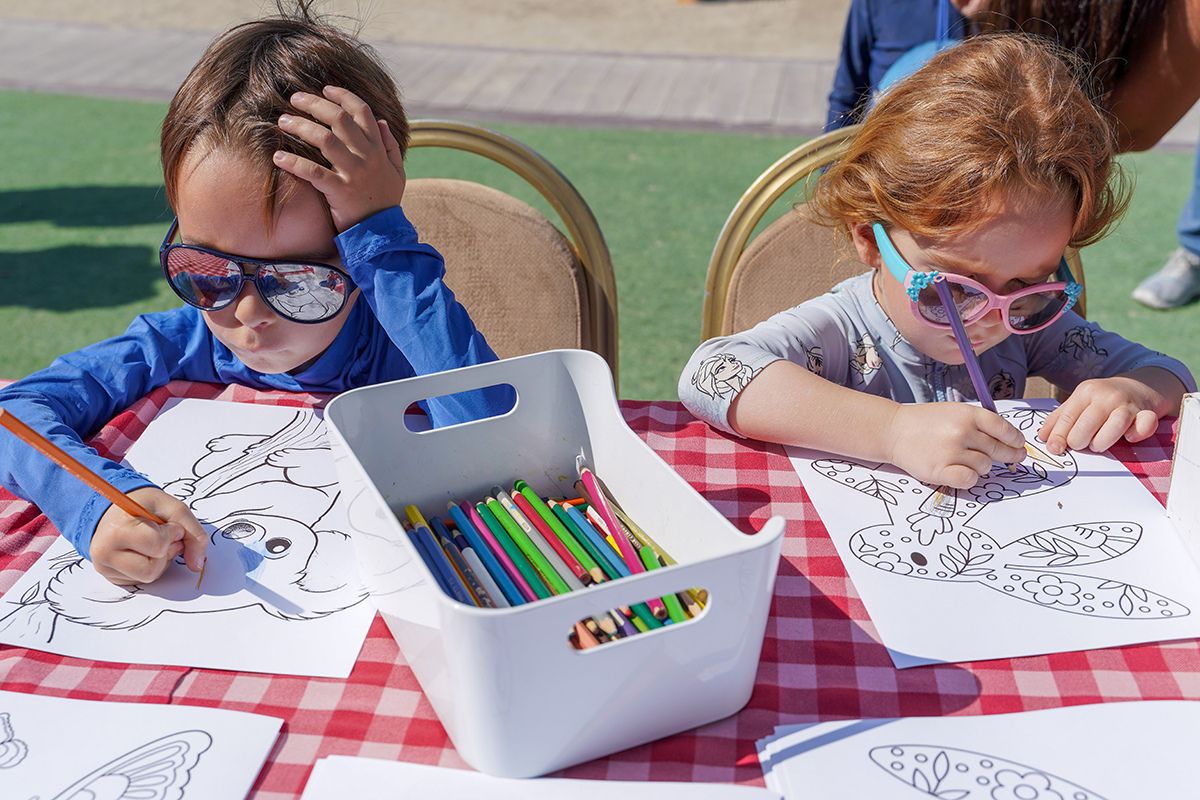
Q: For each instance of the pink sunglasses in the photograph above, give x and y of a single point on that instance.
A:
(1023, 311)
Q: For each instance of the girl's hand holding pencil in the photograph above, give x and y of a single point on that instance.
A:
(130, 549)
(951, 444)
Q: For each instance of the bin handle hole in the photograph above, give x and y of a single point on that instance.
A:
(500, 398)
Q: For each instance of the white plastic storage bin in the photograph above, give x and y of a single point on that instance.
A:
(515, 697)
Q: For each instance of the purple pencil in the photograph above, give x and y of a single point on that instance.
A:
(964, 346)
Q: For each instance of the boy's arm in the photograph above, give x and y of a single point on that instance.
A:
(402, 280)
(71, 399)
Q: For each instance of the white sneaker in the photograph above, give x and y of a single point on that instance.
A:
(1177, 283)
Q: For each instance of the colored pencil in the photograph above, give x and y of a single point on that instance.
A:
(586, 638)
(586, 562)
(650, 561)
(535, 556)
(561, 512)
(475, 586)
(68, 462)
(497, 549)
(438, 561)
(569, 560)
(419, 546)
(529, 576)
(466, 529)
(599, 541)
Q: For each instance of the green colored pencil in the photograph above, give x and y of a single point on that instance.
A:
(564, 536)
(510, 547)
(549, 576)
(650, 562)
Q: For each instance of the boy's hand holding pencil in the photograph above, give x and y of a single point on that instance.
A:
(130, 549)
(952, 444)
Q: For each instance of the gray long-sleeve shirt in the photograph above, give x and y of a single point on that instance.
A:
(845, 337)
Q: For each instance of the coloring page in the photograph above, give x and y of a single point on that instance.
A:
(56, 749)
(339, 777)
(1054, 554)
(280, 593)
(1108, 751)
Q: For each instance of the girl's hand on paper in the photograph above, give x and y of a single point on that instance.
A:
(366, 172)
(129, 550)
(1103, 410)
(952, 444)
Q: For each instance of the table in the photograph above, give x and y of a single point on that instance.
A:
(821, 658)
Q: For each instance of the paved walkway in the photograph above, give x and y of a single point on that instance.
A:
(744, 93)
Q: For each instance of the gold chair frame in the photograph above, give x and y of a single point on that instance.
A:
(583, 232)
(757, 200)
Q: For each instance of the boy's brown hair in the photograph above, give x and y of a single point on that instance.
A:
(990, 114)
(236, 92)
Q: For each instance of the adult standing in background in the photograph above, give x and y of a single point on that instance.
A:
(1146, 71)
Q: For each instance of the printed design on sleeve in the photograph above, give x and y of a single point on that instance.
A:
(815, 361)
(927, 533)
(1079, 341)
(12, 749)
(262, 499)
(949, 773)
(865, 358)
(1003, 386)
(721, 376)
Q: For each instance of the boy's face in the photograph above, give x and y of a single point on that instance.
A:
(1018, 246)
(219, 206)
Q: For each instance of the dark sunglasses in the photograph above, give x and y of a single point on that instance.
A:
(300, 291)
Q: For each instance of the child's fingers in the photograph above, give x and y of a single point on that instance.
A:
(152, 541)
(1087, 426)
(1145, 423)
(1114, 428)
(1059, 424)
(136, 567)
(958, 476)
(322, 179)
(342, 122)
(391, 145)
(1000, 429)
(357, 108)
(332, 146)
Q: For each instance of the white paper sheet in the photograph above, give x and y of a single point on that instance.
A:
(281, 593)
(1064, 553)
(56, 748)
(339, 777)
(1110, 751)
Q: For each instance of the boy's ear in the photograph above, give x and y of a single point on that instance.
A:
(864, 243)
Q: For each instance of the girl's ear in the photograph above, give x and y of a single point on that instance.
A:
(864, 243)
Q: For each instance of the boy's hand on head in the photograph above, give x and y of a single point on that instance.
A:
(952, 444)
(367, 173)
(130, 550)
(1102, 410)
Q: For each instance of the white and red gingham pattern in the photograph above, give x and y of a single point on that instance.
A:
(821, 658)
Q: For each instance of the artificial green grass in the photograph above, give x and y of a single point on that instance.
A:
(82, 212)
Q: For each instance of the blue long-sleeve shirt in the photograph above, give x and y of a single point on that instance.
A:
(877, 33)
(406, 322)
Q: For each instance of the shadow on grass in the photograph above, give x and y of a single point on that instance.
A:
(77, 276)
(86, 206)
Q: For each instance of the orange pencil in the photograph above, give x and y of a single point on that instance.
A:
(59, 456)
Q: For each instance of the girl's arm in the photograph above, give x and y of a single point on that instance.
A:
(949, 444)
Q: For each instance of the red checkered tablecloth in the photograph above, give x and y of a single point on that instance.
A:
(821, 658)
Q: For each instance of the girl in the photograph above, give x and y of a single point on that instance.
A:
(283, 159)
(981, 169)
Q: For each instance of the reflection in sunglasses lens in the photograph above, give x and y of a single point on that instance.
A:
(303, 292)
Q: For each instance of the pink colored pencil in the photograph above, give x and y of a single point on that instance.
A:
(498, 551)
(600, 503)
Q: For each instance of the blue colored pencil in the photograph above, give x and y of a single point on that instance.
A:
(425, 556)
(598, 541)
(441, 564)
(474, 585)
(493, 565)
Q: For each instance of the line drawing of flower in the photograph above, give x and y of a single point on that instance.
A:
(1051, 590)
(1032, 785)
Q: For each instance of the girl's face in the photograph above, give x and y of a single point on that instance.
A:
(1019, 245)
(219, 206)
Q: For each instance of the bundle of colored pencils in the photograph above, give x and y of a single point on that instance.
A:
(510, 549)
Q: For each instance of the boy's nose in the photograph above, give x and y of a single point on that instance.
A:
(249, 308)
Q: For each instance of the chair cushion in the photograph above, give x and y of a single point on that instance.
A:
(513, 270)
(793, 260)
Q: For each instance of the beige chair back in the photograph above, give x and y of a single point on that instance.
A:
(527, 286)
(794, 258)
